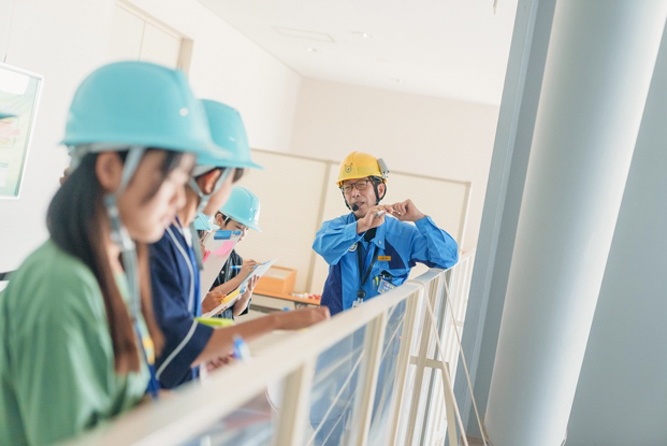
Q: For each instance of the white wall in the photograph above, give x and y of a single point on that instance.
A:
(65, 40)
(289, 227)
(137, 36)
(622, 393)
(621, 396)
(228, 67)
(62, 41)
(502, 205)
(438, 137)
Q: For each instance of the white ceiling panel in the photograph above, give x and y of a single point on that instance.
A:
(446, 48)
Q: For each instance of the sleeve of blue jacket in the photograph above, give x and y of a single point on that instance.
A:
(335, 238)
(184, 338)
(433, 246)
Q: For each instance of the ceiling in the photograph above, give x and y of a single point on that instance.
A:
(445, 48)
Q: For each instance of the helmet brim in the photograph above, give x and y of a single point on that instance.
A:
(249, 224)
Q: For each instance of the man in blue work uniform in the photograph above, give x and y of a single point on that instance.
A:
(368, 252)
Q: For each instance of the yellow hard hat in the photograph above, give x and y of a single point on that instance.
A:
(361, 165)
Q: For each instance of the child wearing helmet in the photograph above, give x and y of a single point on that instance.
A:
(174, 262)
(240, 213)
(78, 332)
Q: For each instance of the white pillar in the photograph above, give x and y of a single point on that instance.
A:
(596, 80)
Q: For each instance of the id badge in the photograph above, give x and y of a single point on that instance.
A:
(385, 286)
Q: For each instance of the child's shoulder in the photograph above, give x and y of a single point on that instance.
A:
(56, 282)
(51, 262)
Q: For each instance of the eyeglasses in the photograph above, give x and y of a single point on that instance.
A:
(359, 185)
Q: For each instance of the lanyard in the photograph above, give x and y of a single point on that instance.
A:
(189, 263)
(361, 294)
(196, 248)
(196, 302)
(146, 344)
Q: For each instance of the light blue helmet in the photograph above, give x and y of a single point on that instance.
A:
(134, 106)
(243, 207)
(203, 223)
(228, 132)
(6, 114)
(138, 104)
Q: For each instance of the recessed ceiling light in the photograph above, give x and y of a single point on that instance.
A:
(310, 49)
(362, 34)
(398, 80)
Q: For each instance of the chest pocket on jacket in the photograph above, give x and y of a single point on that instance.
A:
(392, 265)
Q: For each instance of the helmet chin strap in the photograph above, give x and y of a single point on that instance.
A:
(203, 201)
(204, 198)
(119, 234)
(377, 193)
(195, 246)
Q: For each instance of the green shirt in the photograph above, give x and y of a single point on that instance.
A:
(57, 375)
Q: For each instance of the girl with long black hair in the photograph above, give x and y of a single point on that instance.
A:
(77, 332)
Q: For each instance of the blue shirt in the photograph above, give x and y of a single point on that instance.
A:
(397, 246)
(176, 302)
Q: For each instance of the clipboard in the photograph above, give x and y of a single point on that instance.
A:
(227, 302)
(259, 271)
(235, 295)
(218, 245)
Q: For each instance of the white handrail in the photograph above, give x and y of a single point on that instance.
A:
(196, 408)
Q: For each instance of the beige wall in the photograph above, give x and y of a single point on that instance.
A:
(428, 136)
(297, 194)
(229, 67)
(64, 40)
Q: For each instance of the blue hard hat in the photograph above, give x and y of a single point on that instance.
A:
(202, 223)
(243, 207)
(228, 132)
(127, 104)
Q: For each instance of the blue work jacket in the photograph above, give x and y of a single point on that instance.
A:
(397, 247)
(176, 302)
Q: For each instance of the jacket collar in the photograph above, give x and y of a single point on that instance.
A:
(379, 239)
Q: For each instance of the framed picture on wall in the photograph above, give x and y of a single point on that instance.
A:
(19, 96)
